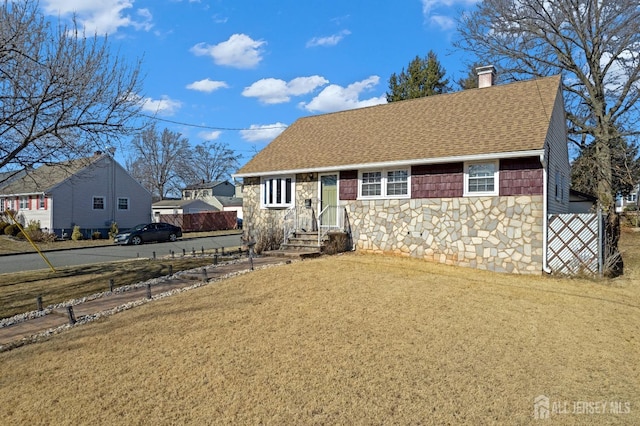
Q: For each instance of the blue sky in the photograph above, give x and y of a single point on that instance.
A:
(243, 70)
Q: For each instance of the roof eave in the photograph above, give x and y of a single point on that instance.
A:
(399, 163)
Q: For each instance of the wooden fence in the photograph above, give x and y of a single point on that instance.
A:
(203, 221)
(575, 243)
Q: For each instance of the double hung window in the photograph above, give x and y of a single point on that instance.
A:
(98, 203)
(123, 204)
(481, 178)
(384, 183)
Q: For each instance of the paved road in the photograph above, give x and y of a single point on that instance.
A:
(33, 261)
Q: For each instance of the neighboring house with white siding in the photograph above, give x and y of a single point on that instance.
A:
(220, 194)
(464, 178)
(171, 207)
(629, 201)
(91, 193)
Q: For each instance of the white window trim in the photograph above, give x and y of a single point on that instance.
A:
(383, 184)
(24, 203)
(496, 181)
(128, 203)
(265, 205)
(104, 202)
(42, 202)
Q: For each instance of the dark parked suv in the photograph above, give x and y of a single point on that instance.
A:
(148, 232)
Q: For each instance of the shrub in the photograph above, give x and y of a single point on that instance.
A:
(34, 225)
(97, 235)
(76, 235)
(269, 236)
(3, 225)
(11, 230)
(113, 231)
(20, 235)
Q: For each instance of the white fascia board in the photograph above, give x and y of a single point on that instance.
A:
(401, 163)
(23, 194)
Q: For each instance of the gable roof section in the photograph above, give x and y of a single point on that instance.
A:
(229, 201)
(508, 118)
(180, 204)
(44, 178)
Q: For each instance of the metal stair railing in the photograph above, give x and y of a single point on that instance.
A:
(331, 218)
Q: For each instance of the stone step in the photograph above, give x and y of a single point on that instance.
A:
(301, 246)
(296, 254)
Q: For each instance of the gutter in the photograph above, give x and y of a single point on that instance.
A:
(545, 218)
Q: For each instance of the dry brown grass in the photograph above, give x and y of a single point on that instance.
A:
(350, 339)
(18, 291)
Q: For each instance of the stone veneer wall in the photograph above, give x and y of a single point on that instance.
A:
(258, 220)
(501, 234)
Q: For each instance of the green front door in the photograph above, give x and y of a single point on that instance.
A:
(328, 199)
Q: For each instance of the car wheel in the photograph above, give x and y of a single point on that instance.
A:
(136, 241)
(172, 237)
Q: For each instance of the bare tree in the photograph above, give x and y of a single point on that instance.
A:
(61, 94)
(209, 162)
(158, 159)
(595, 46)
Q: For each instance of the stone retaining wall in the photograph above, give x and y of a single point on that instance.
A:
(495, 233)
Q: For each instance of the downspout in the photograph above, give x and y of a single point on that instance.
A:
(545, 208)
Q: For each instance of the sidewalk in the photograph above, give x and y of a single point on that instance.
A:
(58, 318)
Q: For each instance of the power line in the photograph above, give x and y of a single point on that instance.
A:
(200, 126)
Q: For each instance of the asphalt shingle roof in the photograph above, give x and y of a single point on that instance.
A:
(506, 118)
(45, 177)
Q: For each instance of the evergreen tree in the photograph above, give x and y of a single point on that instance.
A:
(423, 77)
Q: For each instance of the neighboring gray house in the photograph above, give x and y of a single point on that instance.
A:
(180, 207)
(464, 178)
(91, 193)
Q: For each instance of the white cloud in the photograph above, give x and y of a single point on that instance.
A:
(444, 22)
(207, 85)
(429, 5)
(240, 51)
(276, 91)
(210, 136)
(100, 16)
(163, 106)
(443, 13)
(262, 132)
(331, 40)
(338, 98)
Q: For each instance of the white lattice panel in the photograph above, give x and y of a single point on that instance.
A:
(573, 245)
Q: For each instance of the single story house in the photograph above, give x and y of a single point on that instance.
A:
(91, 193)
(172, 207)
(579, 202)
(207, 189)
(464, 178)
(221, 194)
(227, 204)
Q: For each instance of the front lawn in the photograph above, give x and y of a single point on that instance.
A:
(349, 339)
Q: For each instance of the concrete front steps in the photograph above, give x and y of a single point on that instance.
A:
(301, 245)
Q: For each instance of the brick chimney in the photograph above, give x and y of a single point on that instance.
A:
(486, 76)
